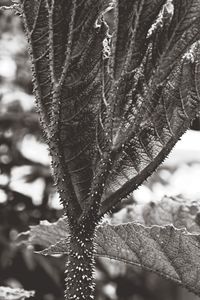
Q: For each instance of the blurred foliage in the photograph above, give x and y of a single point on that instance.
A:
(18, 120)
(7, 293)
(27, 194)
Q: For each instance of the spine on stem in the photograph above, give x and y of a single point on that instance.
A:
(79, 282)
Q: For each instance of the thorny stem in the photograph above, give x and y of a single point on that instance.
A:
(79, 281)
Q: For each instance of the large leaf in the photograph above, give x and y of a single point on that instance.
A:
(176, 34)
(153, 108)
(134, 18)
(152, 124)
(66, 46)
(112, 107)
(170, 252)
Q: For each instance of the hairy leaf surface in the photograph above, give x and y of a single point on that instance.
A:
(113, 101)
(155, 103)
(66, 45)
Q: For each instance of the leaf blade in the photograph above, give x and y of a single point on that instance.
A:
(164, 250)
(159, 120)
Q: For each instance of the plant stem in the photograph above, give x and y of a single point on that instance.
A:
(79, 268)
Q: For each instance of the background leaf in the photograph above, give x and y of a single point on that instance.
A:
(46, 233)
(181, 212)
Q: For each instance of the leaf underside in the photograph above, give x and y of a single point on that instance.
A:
(112, 107)
(170, 252)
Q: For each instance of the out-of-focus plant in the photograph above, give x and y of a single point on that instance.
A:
(14, 294)
(22, 176)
